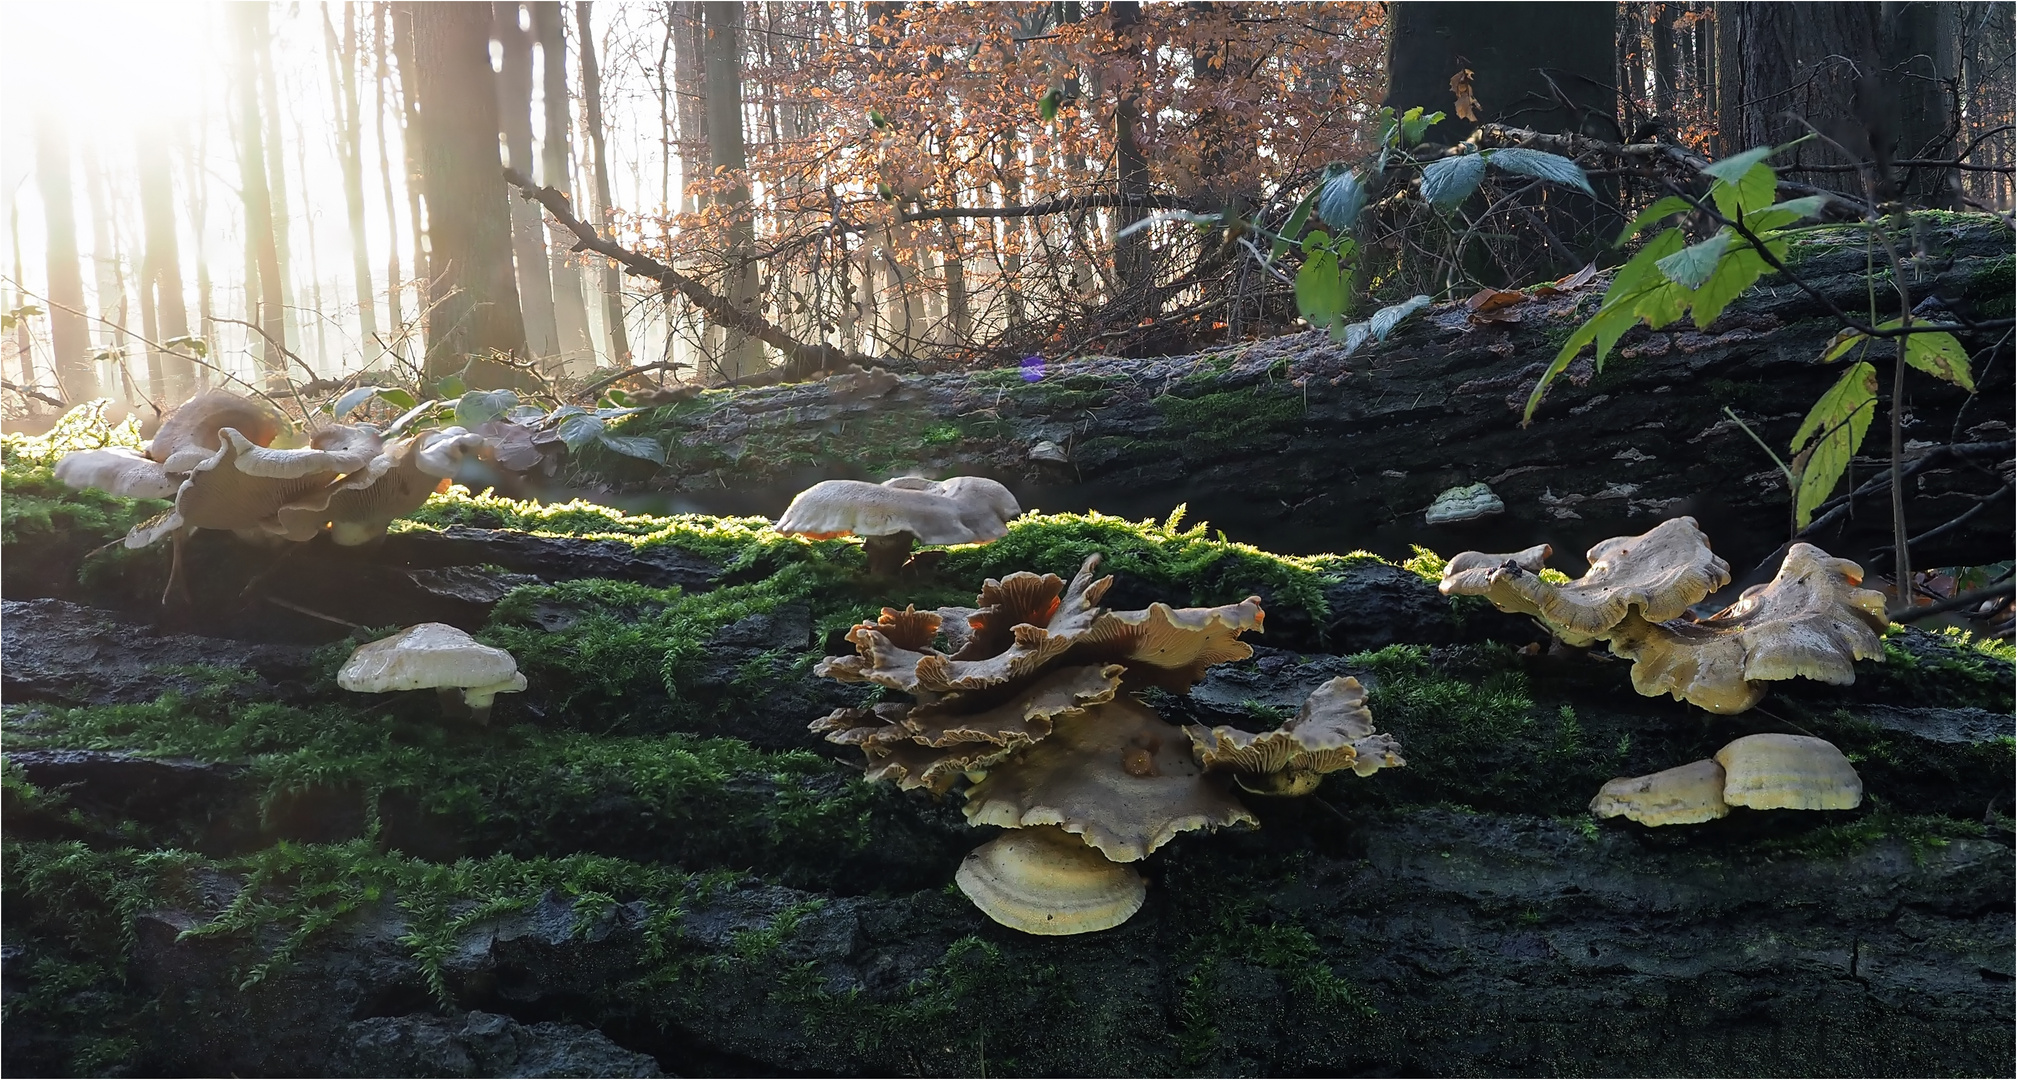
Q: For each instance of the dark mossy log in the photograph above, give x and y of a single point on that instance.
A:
(1293, 444)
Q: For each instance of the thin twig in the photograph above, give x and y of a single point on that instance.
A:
(1954, 603)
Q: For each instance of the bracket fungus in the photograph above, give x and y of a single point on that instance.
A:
(1033, 709)
(1810, 621)
(394, 483)
(438, 657)
(1762, 772)
(1466, 503)
(892, 516)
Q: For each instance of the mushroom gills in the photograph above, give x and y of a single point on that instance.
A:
(1043, 880)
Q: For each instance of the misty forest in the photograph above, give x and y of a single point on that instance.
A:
(955, 539)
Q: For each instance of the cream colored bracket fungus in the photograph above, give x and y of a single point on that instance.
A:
(396, 482)
(892, 516)
(438, 657)
(1044, 880)
(1657, 575)
(1762, 772)
(1033, 709)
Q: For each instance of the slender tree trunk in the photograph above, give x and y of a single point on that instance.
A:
(570, 311)
(528, 242)
(108, 272)
(69, 335)
(263, 296)
(196, 184)
(23, 342)
(1132, 264)
(161, 266)
(690, 95)
(722, 20)
(1662, 32)
(591, 89)
(381, 50)
(350, 153)
(473, 294)
(317, 315)
(410, 138)
(276, 168)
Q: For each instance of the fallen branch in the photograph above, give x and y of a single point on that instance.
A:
(801, 358)
(1054, 206)
(34, 394)
(1954, 603)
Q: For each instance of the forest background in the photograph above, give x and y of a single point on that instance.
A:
(312, 196)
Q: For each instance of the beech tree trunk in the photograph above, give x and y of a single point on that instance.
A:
(612, 277)
(264, 298)
(394, 307)
(161, 267)
(70, 336)
(350, 154)
(722, 22)
(474, 295)
(276, 182)
(1133, 281)
(570, 311)
(528, 242)
(108, 269)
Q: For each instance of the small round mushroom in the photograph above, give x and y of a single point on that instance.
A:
(1043, 880)
(892, 516)
(1684, 795)
(434, 656)
(1788, 772)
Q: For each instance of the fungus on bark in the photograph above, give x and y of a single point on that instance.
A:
(1684, 795)
(1658, 575)
(1810, 621)
(892, 516)
(1031, 706)
(434, 656)
(1333, 731)
(1042, 880)
(120, 471)
(1788, 772)
(396, 482)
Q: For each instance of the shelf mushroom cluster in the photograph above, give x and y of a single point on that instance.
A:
(1031, 707)
(214, 456)
(892, 516)
(1762, 772)
(1810, 621)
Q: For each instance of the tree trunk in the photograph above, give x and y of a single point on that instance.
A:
(1514, 51)
(570, 311)
(1863, 75)
(350, 154)
(108, 267)
(1661, 30)
(474, 296)
(276, 171)
(528, 242)
(685, 23)
(70, 336)
(394, 308)
(264, 300)
(161, 266)
(722, 22)
(196, 183)
(1134, 281)
(612, 276)
(409, 141)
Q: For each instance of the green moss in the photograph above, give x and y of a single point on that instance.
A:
(1949, 668)
(1211, 424)
(37, 506)
(1922, 834)
(1993, 287)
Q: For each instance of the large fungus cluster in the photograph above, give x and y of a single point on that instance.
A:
(1810, 621)
(1031, 706)
(214, 456)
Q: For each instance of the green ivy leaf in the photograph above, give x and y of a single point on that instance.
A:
(1298, 218)
(579, 430)
(1667, 207)
(1835, 427)
(1340, 198)
(1449, 181)
(637, 446)
(483, 406)
(1692, 265)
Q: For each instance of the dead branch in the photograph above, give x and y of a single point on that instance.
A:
(1054, 206)
(31, 392)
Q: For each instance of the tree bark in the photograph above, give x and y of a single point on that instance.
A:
(69, 335)
(474, 296)
(108, 264)
(276, 181)
(264, 298)
(1300, 448)
(1661, 29)
(161, 267)
(528, 242)
(394, 307)
(1133, 268)
(591, 89)
(1525, 58)
(350, 155)
(722, 49)
(409, 141)
(570, 311)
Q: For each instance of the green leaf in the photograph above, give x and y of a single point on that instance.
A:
(483, 406)
(1835, 426)
(637, 446)
(395, 397)
(194, 346)
(1732, 169)
(1938, 354)
(1298, 218)
(1540, 165)
(1340, 198)
(1667, 207)
(579, 430)
(1449, 181)
(1806, 207)
(451, 387)
(1733, 275)
(1584, 335)
(1321, 293)
(1414, 125)
(1047, 105)
(1841, 343)
(1632, 277)
(880, 121)
(1758, 187)
(1692, 265)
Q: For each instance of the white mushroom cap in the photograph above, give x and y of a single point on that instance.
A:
(962, 510)
(119, 471)
(432, 656)
(1042, 880)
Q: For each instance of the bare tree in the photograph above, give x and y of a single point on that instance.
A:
(473, 295)
(161, 267)
(722, 49)
(570, 311)
(381, 50)
(108, 260)
(591, 89)
(342, 57)
(264, 299)
(71, 341)
(528, 244)
(276, 175)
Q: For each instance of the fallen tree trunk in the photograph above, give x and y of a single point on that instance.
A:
(1295, 444)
